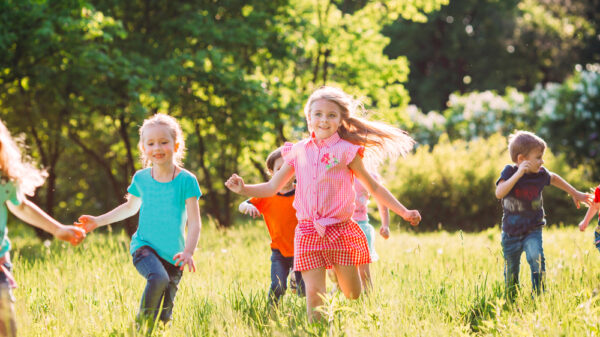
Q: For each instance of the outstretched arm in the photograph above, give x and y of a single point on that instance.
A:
(593, 210)
(381, 194)
(577, 196)
(35, 216)
(248, 208)
(236, 184)
(191, 242)
(384, 214)
(123, 211)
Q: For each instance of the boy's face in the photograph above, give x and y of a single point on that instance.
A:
(534, 157)
(276, 167)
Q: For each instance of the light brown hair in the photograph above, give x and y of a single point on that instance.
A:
(522, 142)
(17, 167)
(381, 140)
(174, 130)
(272, 158)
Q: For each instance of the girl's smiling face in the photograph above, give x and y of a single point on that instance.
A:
(159, 145)
(325, 118)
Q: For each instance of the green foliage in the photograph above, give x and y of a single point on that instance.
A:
(453, 184)
(570, 117)
(473, 45)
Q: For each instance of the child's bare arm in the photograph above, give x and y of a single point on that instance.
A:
(384, 214)
(35, 216)
(236, 184)
(191, 242)
(123, 211)
(504, 186)
(577, 196)
(593, 210)
(381, 194)
(247, 207)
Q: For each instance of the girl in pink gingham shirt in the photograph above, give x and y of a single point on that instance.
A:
(325, 166)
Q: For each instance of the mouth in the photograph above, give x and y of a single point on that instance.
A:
(159, 156)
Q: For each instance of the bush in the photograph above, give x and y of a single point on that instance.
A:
(453, 184)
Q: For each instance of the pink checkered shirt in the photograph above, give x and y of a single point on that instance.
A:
(324, 183)
(362, 199)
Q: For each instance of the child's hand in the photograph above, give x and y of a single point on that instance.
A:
(71, 234)
(586, 198)
(384, 231)
(235, 183)
(87, 223)
(413, 217)
(523, 168)
(183, 258)
(583, 225)
(250, 209)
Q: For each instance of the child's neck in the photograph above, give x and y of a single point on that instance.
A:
(286, 189)
(163, 173)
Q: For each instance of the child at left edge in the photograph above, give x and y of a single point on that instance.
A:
(593, 210)
(166, 195)
(18, 179)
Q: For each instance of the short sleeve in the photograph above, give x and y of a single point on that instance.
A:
(506, 173)
(133, 189)
(597, 194)
(258, 203)
(14, 196)
(192, 188)
(352, 151)
(547, 177)
(288, 155)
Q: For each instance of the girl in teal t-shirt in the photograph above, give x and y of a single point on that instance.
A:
(166, 195)
(19, 178)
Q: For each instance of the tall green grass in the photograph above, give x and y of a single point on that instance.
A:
(435, 284)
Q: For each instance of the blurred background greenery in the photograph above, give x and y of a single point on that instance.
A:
(78, 77)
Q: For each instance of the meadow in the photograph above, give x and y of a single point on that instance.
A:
(426, 284)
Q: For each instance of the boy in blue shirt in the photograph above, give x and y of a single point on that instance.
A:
(520, 189)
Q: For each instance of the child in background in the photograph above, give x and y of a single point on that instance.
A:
(166, 195)
(280, 217)
(593, 210)
(520, 189)
(18, 178)
(325, 165)
(361, 217)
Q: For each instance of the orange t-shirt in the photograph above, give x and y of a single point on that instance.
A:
(280, 217)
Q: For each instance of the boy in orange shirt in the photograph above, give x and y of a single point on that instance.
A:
(280, 217)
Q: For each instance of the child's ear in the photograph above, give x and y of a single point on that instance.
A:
(520, 158)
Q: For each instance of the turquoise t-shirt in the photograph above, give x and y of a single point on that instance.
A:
(162, 215)
(8, 192)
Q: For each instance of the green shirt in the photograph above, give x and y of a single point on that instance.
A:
(8, 192)
(163, 214)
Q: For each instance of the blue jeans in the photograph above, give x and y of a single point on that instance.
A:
(280, 268)
(513, 247)
(162, 280)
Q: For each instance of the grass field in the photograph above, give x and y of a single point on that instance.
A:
(435, 284)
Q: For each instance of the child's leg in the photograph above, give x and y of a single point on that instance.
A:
(512, 248)
(314, 279)
(300, 286)
(535, 257)
(169, 296)
(8, 325)
(597, 236)
(280, 268)
(348, 280)
(365, 277)
(151, 268)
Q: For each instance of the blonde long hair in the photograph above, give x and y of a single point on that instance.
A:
(17, 167)
(381, 140)
(174, 130)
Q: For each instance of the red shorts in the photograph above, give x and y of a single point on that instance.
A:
(343, 244)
